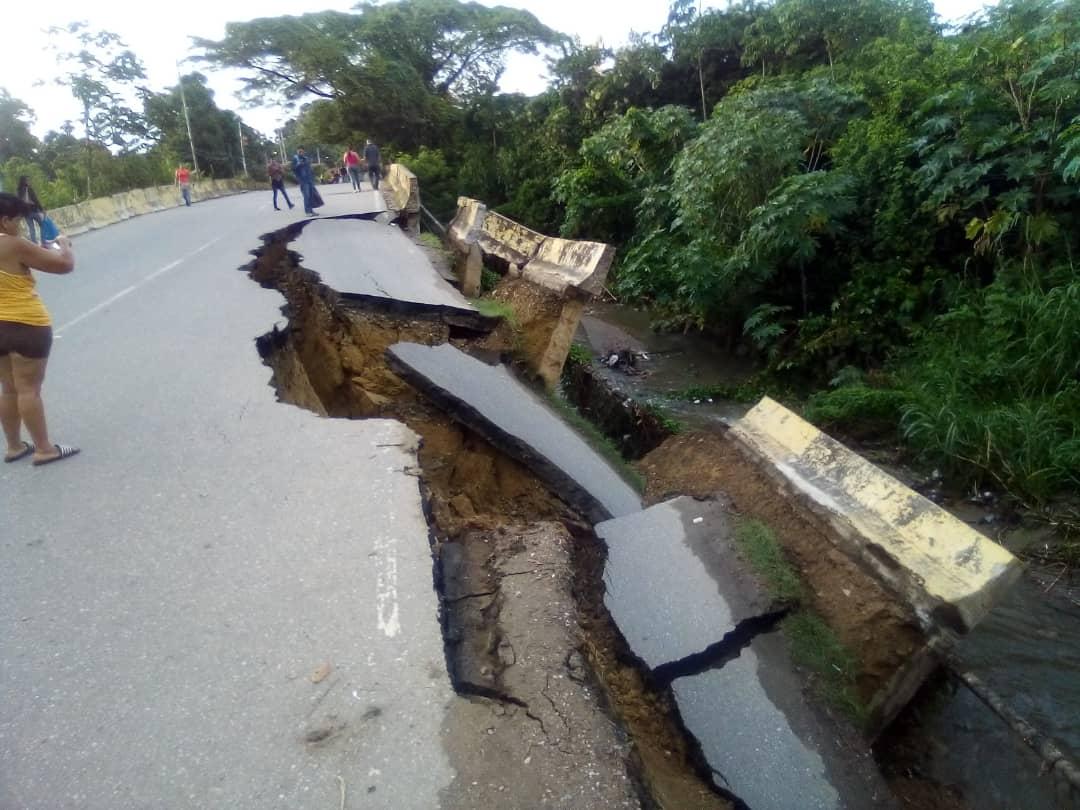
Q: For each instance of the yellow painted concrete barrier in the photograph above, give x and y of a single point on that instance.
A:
(102, 211)
(559, 263)
(950, 574)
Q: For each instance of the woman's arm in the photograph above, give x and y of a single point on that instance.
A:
(45, 259)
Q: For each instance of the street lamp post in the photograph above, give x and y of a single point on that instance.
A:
(187, 120)
(240, 132)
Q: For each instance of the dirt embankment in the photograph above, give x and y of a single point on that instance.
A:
(528, 638)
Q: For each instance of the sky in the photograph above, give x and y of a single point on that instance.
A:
(28, 68)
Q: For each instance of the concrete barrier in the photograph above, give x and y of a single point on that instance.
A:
(102, 211)
(550, 262)
(559, 263)
(404, 194)
(568, 272)
(508, 241)
(464, 228)
(950, 574)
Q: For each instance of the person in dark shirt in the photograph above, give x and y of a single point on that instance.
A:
(276, 174)
(305, 176)
(371, 157)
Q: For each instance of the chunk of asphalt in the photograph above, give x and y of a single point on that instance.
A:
(689, 608)
(357, 257)
(675, 583)
(492, 402)
(767, 744)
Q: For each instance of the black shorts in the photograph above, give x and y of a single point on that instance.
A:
(29, 341)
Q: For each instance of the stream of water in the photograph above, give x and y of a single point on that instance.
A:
(1027, 649)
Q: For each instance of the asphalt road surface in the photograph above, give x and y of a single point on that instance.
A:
(223, 602)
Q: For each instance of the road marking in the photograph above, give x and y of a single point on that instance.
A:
(386, 593)
(59, 332)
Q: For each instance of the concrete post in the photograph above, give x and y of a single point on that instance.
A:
(550, 365)
(474, 265)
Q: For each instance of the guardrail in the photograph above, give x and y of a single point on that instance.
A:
(561, 265)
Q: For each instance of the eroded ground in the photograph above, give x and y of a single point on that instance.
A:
(556, 709)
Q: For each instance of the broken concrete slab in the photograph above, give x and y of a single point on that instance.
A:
(673, 579)
(689, 608)
(946, 571)
(491, 401)
(364, 258)
(767, 744)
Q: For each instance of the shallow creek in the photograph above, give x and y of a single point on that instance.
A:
(1027, 650)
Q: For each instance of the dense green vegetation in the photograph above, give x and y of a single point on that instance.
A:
(884, 210)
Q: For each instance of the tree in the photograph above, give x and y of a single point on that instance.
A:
(16, 139)
(399, 71)
(98, 70)
(215, 132)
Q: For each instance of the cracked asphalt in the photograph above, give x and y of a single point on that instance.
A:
(223, 602)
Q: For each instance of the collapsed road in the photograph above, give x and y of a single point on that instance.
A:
(411, 605)
(227, 601)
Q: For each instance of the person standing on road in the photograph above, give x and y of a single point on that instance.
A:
(277, 182)
(183, 180)
(352, 164)
(371, 157)
(25, 192)
(301, 166)
(26, 335)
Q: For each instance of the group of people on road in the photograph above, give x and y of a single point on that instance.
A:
(304, 173)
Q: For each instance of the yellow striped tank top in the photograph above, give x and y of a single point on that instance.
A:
(19, 301)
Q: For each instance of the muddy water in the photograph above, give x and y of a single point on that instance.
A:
(675, 362)
(1028, 649)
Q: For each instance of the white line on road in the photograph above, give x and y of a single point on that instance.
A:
(127, 291)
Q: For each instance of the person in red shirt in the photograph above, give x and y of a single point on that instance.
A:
(352, 162)
(183, 180)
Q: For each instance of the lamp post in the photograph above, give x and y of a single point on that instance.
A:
(187, 120)
(240, 132)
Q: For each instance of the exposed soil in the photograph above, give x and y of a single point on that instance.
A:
(865, 617)
(545, 671)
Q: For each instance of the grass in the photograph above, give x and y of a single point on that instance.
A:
(432, 241)
(814, 646)
(491, 308)
(762, 550)
(580, 355)
(489, 280)
(597, 440)
(664, 417)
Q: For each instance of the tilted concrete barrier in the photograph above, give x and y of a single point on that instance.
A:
(404, 194)
(464, 228)
(568, 271)
(102, 211)
(950, 574)
(557, 264)
(510, 241)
